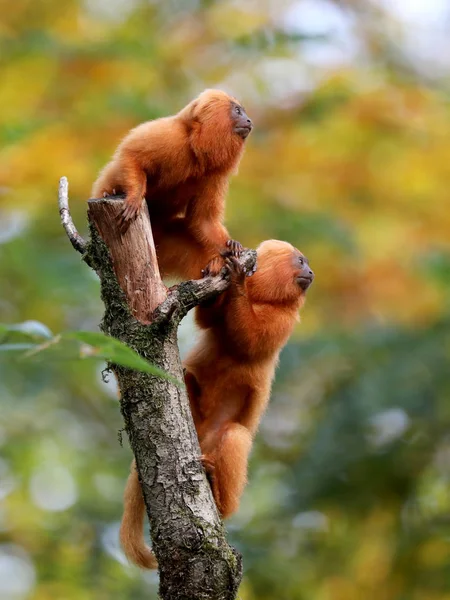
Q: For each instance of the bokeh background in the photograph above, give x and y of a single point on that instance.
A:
(350, 161)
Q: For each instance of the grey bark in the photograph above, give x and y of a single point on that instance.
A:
(195, 560)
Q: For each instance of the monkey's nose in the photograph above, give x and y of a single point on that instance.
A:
(250, 124)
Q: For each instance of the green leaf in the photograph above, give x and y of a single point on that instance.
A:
(16, 347)
(30, 329)
(108, 348)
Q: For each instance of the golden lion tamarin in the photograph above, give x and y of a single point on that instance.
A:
(229, 375)
(181, 165)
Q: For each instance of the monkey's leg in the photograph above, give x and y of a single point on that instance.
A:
(230, 458)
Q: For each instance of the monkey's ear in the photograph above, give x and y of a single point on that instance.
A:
(188, 112)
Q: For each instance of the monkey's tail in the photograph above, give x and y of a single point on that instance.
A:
(131, 534)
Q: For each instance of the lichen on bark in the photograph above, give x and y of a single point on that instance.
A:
(195, 560)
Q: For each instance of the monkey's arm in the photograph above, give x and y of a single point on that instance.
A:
(210, 313)
(205, 213)
(134, 177)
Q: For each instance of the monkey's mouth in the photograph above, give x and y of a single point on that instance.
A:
(243, 132)
(304, 282)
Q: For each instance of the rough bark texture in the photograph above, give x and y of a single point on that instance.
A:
(195, 560)
(133, 256)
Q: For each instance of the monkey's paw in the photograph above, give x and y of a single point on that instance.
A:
(234, 248)
(128, 213)
(235, 269)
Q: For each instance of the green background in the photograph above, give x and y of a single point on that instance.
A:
(349, 161)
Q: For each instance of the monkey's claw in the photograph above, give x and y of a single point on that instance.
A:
(129, 213)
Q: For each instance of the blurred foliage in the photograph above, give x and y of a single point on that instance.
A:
(31, 339)
(350, 161)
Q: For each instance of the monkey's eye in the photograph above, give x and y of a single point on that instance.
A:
(301, 260)
(238, 110)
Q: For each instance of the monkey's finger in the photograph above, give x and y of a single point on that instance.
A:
(235, 247)
(229, 263)
(124, 226)
(122, 223)
(129, 212)
(234, 267)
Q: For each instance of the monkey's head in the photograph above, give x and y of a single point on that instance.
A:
(283, 273)
(218, 125)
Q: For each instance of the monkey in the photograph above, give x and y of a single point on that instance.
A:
(229, 372)
(182, 164)
(229, 375)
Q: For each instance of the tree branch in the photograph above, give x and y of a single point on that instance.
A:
(63, 202)
(189, 294)
(195, 560)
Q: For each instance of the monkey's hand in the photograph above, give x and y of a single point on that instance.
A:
(215, 266)
(235, 270)
(234, 248)
(129, 212)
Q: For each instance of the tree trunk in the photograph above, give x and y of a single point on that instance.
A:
(195, 560)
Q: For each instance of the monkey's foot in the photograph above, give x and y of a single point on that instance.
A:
(129, 212)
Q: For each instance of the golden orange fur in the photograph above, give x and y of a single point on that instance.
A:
(229, 375)
(230, 371)
(181, 165)
(131, 537)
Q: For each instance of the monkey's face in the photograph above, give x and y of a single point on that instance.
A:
(283, 274)
(241, 123)
(304, 276)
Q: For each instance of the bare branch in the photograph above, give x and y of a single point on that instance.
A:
(63, 202)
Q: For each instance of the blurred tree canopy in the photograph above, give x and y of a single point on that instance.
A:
(350, 161)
